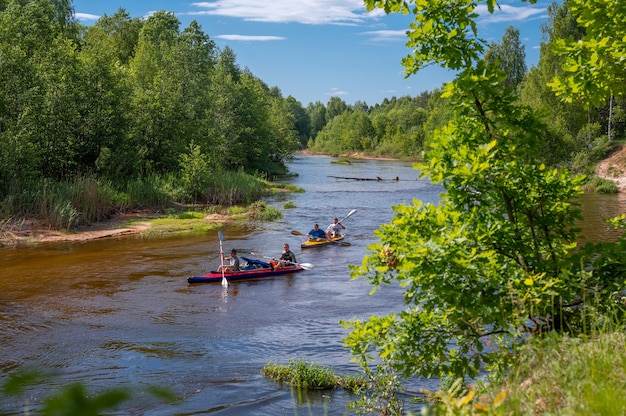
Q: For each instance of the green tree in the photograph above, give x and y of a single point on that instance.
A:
(399, 125)
(103, 124)
(594, 64)
(251, 125)
(38, 45)
(226, 126)
(194, 58)
(335, 107)
(568, 120)
(510, 56)
(317, 114)
(284, 134)
(494, 261)
(196, 174)
(158, 99)
(123, 32)
(21, 27)
(302, 120)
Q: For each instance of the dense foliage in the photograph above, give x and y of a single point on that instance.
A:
(496, 261)
(128, 98)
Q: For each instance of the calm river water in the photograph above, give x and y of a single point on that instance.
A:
(119, 312)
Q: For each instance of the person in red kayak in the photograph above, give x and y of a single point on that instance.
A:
(287, 258)
(234, 263)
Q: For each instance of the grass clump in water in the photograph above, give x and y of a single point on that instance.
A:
(301, 374)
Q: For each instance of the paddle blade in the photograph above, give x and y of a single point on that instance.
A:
(344, 243)
(224, 280)
(220, 236)
(294, 232)
(306, 266)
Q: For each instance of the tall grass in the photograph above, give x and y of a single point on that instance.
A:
(555, 374)
(262, 212)
(566, 376)
(85, 199)
(61, 204)
(602, 186)
(231, 188)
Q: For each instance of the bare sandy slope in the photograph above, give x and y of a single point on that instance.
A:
(614, 168)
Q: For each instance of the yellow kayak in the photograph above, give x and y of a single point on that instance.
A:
(319, 242)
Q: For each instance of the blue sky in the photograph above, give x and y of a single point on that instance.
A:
(316, 49)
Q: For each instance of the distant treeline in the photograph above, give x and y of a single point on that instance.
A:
(403, 127)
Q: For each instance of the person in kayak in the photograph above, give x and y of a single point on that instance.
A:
(287, 258)
(234, 263)
(334, 229)
(316, 233)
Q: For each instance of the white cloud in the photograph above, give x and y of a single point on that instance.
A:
(85, 17)
(287, 11)
(246, 38)
(506, 13)
(336, 92)
(386, 35)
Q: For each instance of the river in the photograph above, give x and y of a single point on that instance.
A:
(119, 312)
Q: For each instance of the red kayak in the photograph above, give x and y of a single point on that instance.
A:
(254, 269)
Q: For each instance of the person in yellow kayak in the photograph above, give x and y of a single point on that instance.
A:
(334, 229)
(316, 233)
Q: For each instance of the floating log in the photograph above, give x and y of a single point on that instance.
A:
(378, 178)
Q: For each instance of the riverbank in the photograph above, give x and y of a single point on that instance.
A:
(31, 231)
(352, 155)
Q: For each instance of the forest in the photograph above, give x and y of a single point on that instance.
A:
(137, 111)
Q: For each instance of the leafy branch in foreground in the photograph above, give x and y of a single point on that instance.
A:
(73, 399)
(496, 261)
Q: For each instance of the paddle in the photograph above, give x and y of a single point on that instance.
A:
(305, 266)
(224, 280)
(346, 217)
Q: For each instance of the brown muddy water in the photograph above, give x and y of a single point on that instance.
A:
(119, 312)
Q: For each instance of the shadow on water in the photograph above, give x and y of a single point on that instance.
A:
(120, 312)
